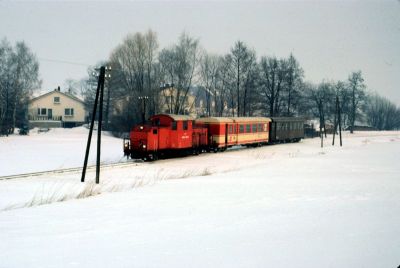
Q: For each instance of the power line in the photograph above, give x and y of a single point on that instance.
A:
(65, 62)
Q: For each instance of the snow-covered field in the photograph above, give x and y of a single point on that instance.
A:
(291, 205)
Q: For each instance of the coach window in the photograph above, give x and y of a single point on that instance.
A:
(248, 129)
(173, 125)
(241, 130)
(230, 131)
(185, 125)
(255, 128)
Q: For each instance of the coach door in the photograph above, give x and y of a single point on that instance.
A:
(226, 134)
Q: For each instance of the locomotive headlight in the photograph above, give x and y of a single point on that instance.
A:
(144, 145)
(141, 127)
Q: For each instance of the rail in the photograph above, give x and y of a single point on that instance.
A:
(66, 170)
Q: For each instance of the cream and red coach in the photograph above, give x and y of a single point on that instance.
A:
(224, 132)
(167, 134)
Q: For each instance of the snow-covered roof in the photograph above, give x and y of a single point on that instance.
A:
(176, 117)
(57, 91)
(251, 119)
(214, 120)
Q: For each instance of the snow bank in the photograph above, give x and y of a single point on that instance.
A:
(292, 205)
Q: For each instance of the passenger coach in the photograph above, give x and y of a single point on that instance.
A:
(286, 129)
(224, 132)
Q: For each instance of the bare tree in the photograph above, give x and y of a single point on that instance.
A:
(243, 62)
(323, 96)
(381, 113)
(294, 77)
(222, 87)
(357, 88)
(179, 64)
(272, 76)
(209, 72)
(134, 74)
(19, 77)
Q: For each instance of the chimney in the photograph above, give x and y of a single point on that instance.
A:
(58, 88)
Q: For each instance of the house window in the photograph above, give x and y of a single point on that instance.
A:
(42, 111)
(69, 112)
(56, 99)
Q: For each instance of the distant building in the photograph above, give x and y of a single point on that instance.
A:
(361, 128)
(169, 97)
(56, 109)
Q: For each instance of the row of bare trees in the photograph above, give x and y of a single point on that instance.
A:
(235, 84)
(19, 77)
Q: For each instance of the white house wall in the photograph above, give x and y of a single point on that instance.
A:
(58, 108)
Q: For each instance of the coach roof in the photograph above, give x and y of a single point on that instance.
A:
(250, 119)
(214, 120)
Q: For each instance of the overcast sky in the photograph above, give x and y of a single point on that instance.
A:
(330, 39)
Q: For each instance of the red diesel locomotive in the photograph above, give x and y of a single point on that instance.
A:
(169, 134)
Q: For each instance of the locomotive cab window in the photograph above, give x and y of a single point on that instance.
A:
(156, 122)
(185, 125)
(173, 125)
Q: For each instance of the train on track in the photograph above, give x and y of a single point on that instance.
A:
(167, 135)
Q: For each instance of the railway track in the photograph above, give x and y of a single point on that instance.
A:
(66, 170)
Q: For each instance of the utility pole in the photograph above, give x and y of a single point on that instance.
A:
(340, 120)
(99, 93)
(336, 121)
(144, 99)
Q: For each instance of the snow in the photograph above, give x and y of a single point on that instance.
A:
(290, 205)
(58, 148)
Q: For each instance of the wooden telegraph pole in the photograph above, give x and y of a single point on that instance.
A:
(144, 100)
(336, 121)
(99, 93)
